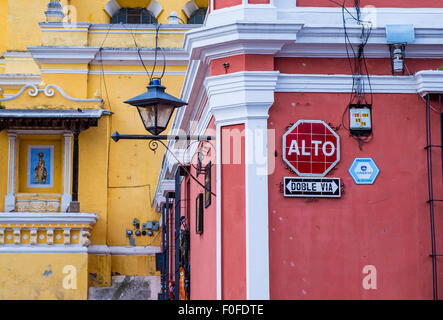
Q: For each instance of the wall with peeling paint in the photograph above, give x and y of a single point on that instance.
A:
(40, 276)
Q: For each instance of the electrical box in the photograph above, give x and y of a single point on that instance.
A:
(153, 225)
(360, 119)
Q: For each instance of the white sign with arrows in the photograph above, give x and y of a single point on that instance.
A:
(312, 187)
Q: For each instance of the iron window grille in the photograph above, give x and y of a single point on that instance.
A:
(133, 16)
(198, 16)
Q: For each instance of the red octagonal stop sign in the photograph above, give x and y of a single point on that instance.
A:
(311, 148)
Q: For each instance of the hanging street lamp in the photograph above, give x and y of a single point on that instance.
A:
(155, 108)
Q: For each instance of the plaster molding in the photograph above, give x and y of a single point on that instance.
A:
(189, 8)
(341, 83)
(64, 26)
(12, 163)
(54, 218)
(48, 91)
(80, 55)
(239, 38)
(123, 250)
(423, 82)
(241, 95)
(155, 8)
(112, 7)
(30, 248)
(131, 57)
(429, 82)
(137, 73)
(67, 167)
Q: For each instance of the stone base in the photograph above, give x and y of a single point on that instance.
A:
(74, 206)
(128, 288)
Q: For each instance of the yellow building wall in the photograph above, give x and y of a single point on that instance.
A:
(93, 177)
(3, 25)
(117, 181)
(40, 276)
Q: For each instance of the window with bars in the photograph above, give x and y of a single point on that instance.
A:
(198, 16)
(134, 16)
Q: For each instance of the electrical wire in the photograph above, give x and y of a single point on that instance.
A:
(358, 66)
(138, 51)
(186, 170)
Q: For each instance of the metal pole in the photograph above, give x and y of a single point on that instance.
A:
(431, 196)
(116, 137)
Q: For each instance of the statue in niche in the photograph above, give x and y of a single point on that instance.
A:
(40, 172)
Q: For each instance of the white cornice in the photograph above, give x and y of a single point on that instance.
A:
(429, 82)
(64, 26)
(239, 38)
(123, 251)
(241, 95)
(423, 82)
(340, 83)
(130, 56)
(82, 55)
(33, 249)
(47, 218)
(143, 27)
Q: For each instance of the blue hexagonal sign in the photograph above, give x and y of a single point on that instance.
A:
(363, 170)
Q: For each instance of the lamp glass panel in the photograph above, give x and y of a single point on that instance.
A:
(164, 114)
(147, 114)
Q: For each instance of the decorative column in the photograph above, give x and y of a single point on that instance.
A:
(75, 205)
(67, 165)
(10, 196)
(17, 234)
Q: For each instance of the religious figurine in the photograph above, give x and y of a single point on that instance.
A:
(40, 172)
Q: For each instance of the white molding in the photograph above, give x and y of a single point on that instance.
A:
(12, 163)
(42, 248)
(64, 71)
(112, 7)
(241, 95)
(54, 218)
(155, 8)
(64, 26)
(141, 27)
(16, 54)
(429, 81)
(239, 38)
(24, 132)
(49, 91)
(81, 55)
(341, 83)
(67, 197)
(123, 250)
(189, 8)
(423, 82)
(131, 57)
(136, 73)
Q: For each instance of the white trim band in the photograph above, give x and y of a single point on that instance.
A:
(124, 251)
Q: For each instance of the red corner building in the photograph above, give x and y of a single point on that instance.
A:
(324, 179)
